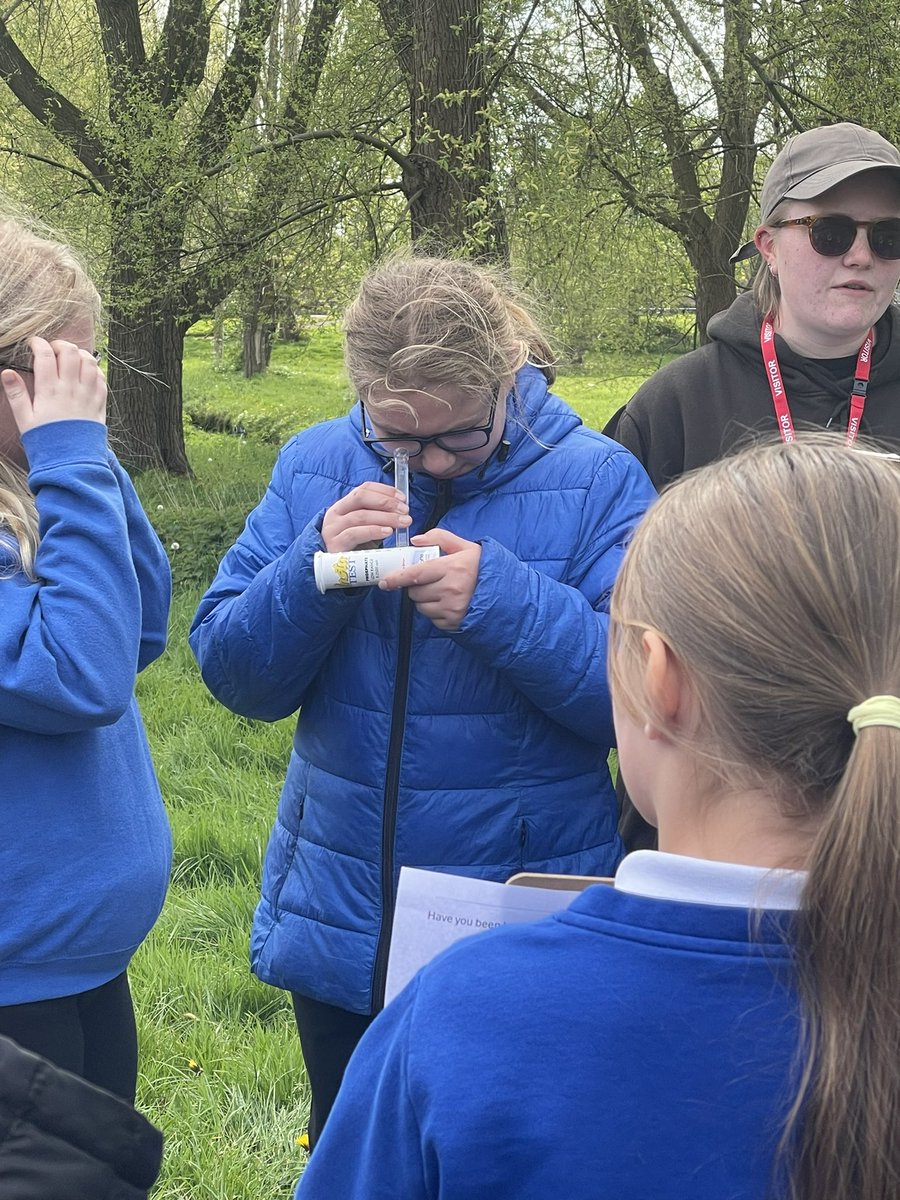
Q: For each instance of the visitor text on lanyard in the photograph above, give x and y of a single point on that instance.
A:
(779, 396)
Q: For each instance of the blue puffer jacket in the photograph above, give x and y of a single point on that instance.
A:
(481, 751)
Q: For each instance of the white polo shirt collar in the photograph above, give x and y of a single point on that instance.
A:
(662, 876)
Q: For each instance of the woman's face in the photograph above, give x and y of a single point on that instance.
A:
(440, 410)
(828, 304)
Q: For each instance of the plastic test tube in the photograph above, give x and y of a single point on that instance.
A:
(401, 483)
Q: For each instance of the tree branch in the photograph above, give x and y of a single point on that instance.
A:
(550, 108)
(702, 57)
(626, 18)
(395, 19)
(498, 72)
(314, 48)
(237, 83)
(777, 89)
(122, 36)
(313, 135)
(50, 107)
(200, 295)
(774, 92)
(639, 204)
(178, 63)
(51, 162)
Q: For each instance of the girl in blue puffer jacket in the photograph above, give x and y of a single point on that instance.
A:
(457, 716)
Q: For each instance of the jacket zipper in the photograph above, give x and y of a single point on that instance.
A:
(392, 774)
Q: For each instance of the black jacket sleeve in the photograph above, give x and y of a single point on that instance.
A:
(64, 1139)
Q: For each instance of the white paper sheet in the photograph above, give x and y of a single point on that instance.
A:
(434, 910)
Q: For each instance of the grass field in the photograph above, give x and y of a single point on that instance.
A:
(221, 1070)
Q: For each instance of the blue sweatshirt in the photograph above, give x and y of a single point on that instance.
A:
(628, 1048)
(86, 848)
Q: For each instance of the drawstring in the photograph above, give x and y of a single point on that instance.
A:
(502, 453)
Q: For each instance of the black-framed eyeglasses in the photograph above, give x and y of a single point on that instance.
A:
(834, 235)
(97, 356)
(455, 441)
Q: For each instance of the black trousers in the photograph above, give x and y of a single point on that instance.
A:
(328, 1036)
(91, 1034)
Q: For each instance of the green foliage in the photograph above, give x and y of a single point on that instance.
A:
(306, 384)
(855, 72)
(610, 279)
(605, 384)
(195, 538)
(197, 519)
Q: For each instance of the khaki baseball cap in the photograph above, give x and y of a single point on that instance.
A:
(812, 162)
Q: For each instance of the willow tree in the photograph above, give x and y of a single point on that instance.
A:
(669, 95)
(162, 124)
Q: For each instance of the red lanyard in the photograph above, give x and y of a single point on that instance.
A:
(779, 396)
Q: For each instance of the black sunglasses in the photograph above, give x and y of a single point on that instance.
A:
(833, 236)
(454, 441)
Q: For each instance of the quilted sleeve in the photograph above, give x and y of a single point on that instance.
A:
(550, 636)
(263, 630)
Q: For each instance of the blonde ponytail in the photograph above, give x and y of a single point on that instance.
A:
(845, 1122)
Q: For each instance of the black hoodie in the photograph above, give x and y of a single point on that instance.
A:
(701, 406)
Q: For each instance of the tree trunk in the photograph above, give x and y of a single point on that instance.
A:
(258, 323)
(256, 344)
(451, 136)
(715, 284)
(145, 353)
(449, 186)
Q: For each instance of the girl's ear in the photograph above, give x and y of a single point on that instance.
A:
(665, 684)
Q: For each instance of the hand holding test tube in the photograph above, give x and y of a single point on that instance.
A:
(401, 483)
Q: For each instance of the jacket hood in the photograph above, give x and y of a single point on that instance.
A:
(738, 327)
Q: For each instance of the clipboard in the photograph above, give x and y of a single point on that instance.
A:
(434, 909)
(558, 883)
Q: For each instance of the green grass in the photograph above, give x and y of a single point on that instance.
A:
(306, 383)
(221, 1070)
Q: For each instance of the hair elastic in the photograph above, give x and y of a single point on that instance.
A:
(877, 710)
